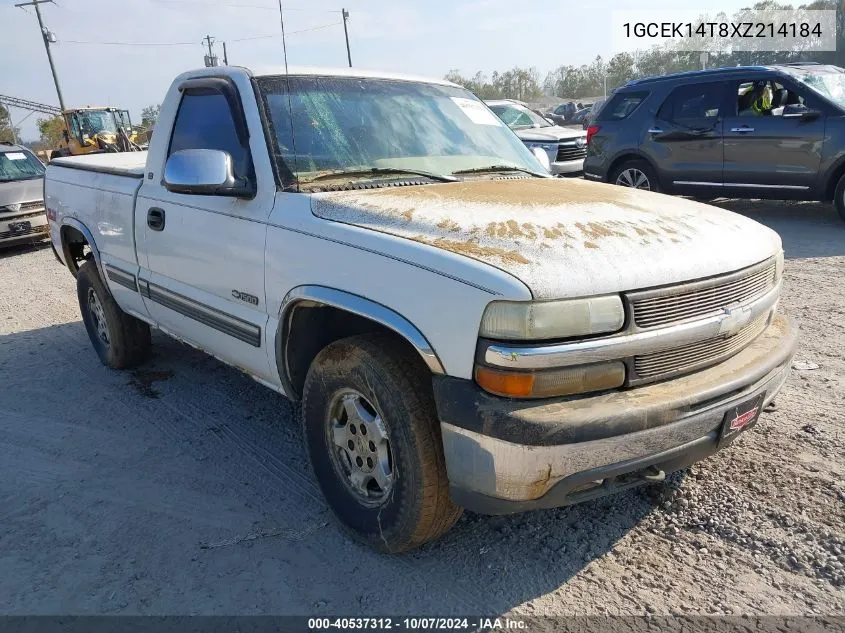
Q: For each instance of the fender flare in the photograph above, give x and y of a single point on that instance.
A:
(354, 304)
(89, 237)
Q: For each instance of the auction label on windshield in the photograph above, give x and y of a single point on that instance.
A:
(476, 111)
(746, 30)
(15, 155)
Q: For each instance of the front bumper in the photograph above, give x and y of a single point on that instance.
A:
(506, 456)
(567, 167)
(38, 228)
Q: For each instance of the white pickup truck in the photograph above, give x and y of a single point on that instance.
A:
(462, 330)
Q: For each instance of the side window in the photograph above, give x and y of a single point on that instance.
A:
(204, 121)
(693, 104)
(620, 106)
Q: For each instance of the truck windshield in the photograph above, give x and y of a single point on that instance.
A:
(19, 165)
(345, 124)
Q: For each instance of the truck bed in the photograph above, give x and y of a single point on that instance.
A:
(129, 164)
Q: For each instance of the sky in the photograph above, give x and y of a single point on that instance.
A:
(162, 38)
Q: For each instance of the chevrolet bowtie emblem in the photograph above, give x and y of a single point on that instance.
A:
(733, 320)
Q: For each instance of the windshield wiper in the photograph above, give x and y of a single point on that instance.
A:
(380, 171)
(488, 168)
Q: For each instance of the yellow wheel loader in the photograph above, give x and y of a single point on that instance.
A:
(92, 129)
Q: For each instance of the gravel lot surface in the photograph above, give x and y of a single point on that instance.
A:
(183, 487)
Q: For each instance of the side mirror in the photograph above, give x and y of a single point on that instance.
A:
(204, 172)
(797, 111)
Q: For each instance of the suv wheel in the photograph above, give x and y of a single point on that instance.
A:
(636, 174)
(839, 197)
(372, 436)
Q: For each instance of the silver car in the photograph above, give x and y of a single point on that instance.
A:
(565, 147)
(22, 216)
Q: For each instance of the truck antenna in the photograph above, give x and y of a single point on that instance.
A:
(287, 89)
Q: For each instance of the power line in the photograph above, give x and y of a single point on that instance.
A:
(130, 43)
(243, 6)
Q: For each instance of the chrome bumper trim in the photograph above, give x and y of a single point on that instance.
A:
(728, 323)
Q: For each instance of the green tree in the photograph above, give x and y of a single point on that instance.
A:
(6, 132)
(51, 130)
(620, 69)
(149, 116)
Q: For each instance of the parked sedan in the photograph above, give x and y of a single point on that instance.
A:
(565, 147)
(22, 216)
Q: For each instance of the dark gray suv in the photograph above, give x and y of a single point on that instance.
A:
(744, 132)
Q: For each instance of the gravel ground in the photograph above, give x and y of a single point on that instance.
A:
(183, 488)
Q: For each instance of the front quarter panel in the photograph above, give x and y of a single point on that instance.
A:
(442, 294)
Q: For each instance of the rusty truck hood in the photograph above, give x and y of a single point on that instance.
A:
(561, 237)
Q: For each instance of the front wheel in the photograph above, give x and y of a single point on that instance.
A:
(636, 174)
(373, 438)
(119, 339)
(839, 197)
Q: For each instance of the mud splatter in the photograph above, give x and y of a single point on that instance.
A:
(590, 245)
(474, 249)
(143, 381)
(449, 225)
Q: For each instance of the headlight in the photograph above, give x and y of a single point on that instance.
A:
(553, 382)
(539, 320)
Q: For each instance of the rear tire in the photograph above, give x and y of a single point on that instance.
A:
(120, 340)
(636, 174)
(373, 439)
(839, 198)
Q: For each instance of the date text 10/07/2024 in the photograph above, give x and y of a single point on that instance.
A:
(418, 624)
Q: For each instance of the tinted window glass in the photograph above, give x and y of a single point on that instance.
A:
(694, 102)
(620, 106)
(766, 98)
(205, 122)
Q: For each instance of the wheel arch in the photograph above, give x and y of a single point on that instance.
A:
(630, 154)
(75, 237)
(303, 332)
(834, 173)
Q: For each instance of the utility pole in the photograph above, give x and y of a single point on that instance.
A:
(48, 38)
(211, 58)
(225, 56)
(345, 15)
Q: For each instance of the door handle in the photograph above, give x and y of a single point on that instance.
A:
(155, 219)
(742, 130)
(655, 130)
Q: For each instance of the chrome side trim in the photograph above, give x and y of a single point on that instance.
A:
(727, 323)
(365, 308)
(592, 176)
(212, 317)
(755, 186)
(697, 183)
(121, 277)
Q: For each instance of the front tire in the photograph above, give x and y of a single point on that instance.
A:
(636, 174)
(839, 198)
(373, 438)
(119, 339)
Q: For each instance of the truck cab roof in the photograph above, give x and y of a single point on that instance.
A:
(315, 71)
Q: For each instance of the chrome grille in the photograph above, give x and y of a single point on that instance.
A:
(570, 152)
(673, 305)
(25, 206)
(688, 357)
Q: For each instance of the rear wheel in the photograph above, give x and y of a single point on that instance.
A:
(839, 197)
(636, 174)
(119, 339)
(373, 439)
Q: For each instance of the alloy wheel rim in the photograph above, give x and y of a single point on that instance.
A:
(634, 178)
(360, 447)
(99, 316)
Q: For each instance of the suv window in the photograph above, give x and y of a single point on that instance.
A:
(765, 98)
(620, 106)
(205, 122)
(692, 103)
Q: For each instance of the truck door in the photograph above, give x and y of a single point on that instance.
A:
(204, 275)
